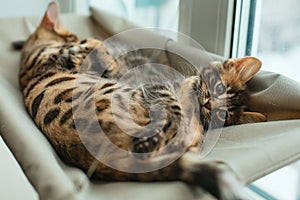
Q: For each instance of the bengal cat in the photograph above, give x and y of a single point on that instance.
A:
(61, 102)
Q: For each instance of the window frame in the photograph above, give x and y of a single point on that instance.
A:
(245, 36)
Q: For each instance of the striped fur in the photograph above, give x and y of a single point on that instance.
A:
(61, 101)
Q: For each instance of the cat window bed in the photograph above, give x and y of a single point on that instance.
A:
(252, 150)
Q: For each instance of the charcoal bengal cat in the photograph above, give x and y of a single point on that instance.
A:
(61, 102)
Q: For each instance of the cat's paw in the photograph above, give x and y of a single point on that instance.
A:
(144, 146)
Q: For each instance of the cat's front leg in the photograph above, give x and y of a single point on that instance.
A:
(167, 136)
(194, 133)
(156, 139)
(94, 56)
(147, 144)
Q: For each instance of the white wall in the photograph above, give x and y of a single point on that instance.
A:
(17, 8)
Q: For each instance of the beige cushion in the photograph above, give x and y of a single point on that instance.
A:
(251, 150)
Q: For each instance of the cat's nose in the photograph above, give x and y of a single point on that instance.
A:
(207, 105)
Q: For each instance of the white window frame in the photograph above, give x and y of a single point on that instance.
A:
(245, 36)
(222, 26)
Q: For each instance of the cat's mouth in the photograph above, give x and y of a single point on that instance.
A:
(205, 110)
(212, 114)
(207, 105)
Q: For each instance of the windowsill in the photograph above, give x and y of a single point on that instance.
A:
(281, 184)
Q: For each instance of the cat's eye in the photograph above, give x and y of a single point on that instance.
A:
(222, 114)
(220, 88)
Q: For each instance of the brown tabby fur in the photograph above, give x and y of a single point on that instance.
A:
(51, 60)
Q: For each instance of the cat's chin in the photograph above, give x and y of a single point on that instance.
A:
(205, 122)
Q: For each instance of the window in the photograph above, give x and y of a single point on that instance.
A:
(146, 13)
(270, 31)
(207, 21)
(279, 36)
(273, 35)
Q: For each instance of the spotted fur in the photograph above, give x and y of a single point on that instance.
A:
(61, 96)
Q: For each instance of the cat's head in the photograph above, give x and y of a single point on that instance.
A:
(224, 98)
(50, 30)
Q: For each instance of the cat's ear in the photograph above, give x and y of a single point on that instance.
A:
(246, 67)
(50, 20)
(252, 117)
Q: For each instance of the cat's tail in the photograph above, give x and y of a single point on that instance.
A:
(215, 177)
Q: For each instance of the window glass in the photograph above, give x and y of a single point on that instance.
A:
(279, 36)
